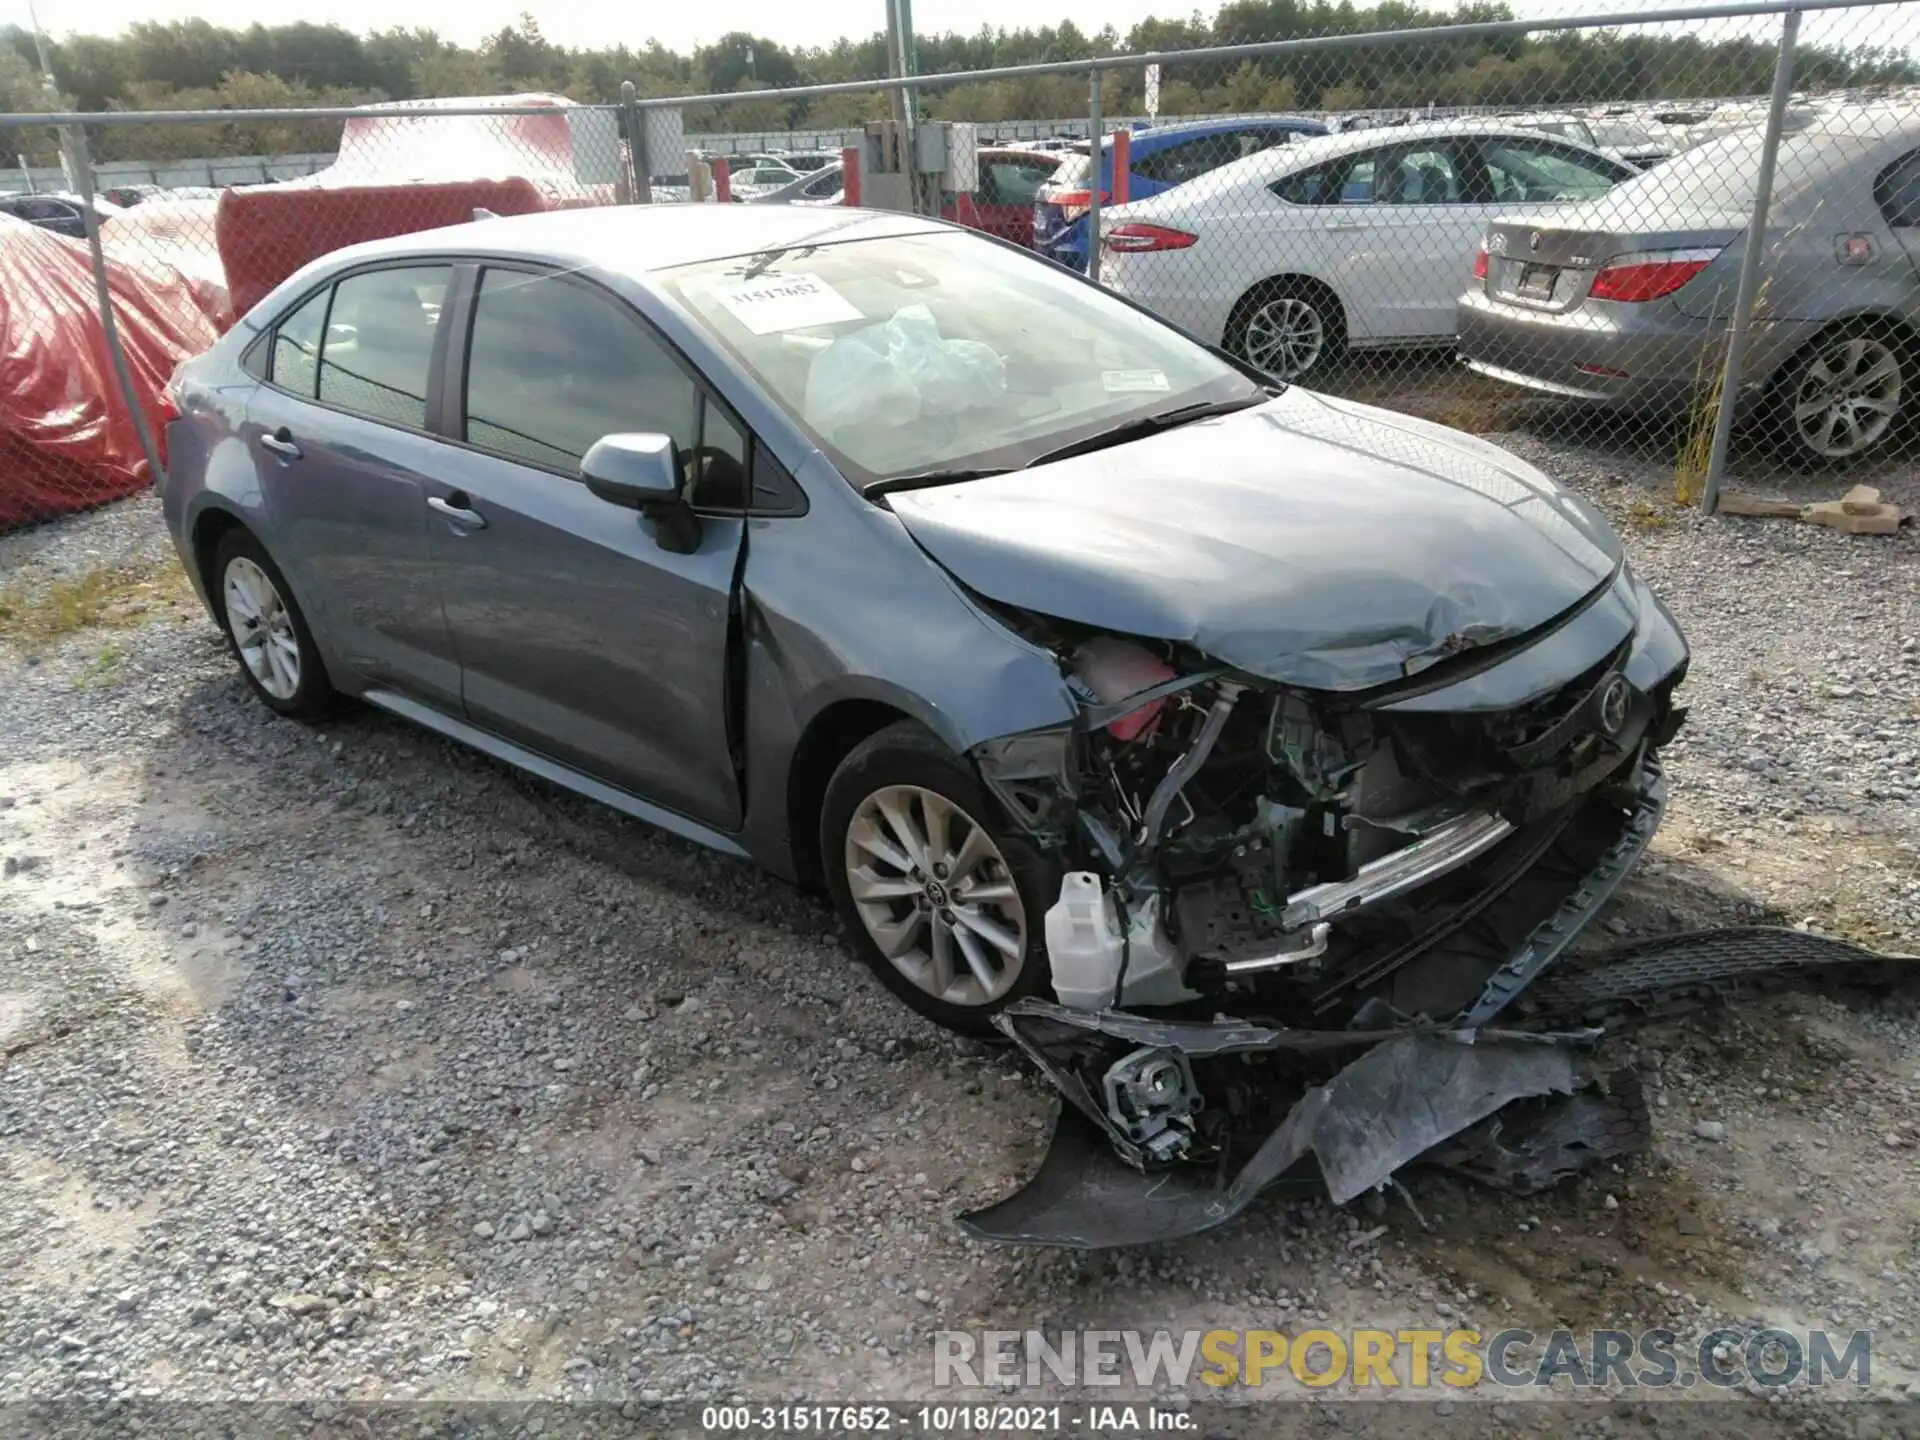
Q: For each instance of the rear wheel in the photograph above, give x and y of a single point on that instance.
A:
(1287, 328)
(266, 630)
(1840, 398)
(946, 904)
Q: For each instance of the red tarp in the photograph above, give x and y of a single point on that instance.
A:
(268, 233)
(183, 270)
(67, 439)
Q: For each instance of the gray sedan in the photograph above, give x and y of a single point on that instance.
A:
(1625, 299)
(1062, 651)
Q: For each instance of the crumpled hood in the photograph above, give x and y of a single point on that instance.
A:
(1309, 541)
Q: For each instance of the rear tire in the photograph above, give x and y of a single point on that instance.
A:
(945, 902)
(265, 629)
(1289, 328)
(1841, 398)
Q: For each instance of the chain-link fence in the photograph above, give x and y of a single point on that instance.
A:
(1591, 232)
(108, 283)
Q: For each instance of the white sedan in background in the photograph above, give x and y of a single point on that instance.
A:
(1352, 241)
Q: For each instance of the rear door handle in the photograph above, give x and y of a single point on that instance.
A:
(281, 443)
(459, 513)
(1345, 227)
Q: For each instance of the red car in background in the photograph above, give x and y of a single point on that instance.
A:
(1002, 202)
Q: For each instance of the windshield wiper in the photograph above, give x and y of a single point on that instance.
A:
(1148, 425)
(926, 479)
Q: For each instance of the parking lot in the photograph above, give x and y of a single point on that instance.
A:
(341, 1062)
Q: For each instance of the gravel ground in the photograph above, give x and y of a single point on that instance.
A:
(342, 1063)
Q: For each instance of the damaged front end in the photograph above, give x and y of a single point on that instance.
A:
(1363, 880)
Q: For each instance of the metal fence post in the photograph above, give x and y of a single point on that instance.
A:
(1743, 298)
(639, 162)
(1093, 176)
(76, 147)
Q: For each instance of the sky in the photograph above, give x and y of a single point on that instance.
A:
(681, 27)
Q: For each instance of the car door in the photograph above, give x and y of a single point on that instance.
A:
(579, 635)
(1411, 239)
(339, 439)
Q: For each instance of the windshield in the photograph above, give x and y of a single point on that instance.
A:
(918, 353)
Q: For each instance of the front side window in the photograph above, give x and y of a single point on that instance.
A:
(913, 353)
(295, 365)
(1532, 171)
(554, 365)
(378, 349)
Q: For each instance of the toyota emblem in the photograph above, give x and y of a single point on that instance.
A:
(1614, 700)
(1533, 241)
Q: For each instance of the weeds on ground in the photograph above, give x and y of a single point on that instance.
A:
(112, 597)
(1646, 514)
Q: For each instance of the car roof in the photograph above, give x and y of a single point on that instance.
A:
(1223, 122)
(642, 239)
(1329, 147)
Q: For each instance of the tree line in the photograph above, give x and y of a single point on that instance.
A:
(191, 64)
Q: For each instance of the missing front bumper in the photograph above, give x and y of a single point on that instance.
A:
(1403, 1092)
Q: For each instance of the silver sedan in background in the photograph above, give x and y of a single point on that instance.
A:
(1625, 299)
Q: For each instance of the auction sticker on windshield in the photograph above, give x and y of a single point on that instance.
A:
(1135, 382)
(787, 302)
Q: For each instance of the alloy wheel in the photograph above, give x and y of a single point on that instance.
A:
(262, 628)
(936, 895)
(1847, 397)
(1285, 337)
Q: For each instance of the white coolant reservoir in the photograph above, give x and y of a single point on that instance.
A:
(1084, 942)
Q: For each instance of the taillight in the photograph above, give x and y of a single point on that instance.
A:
(1648, 274)
(1480, 263)
(1131, 238)
(1076, 202)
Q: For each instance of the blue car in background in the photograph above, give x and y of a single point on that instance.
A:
(1163, 157)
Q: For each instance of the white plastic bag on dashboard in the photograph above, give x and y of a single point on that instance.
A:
(899, 371)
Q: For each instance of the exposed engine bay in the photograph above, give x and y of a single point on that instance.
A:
(1278, 902)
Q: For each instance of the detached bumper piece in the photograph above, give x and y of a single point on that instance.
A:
(1400, 1099)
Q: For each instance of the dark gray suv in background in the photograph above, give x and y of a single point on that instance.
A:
(880, 552)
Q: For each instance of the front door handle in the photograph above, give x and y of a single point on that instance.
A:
(281, 443)
(459, 514)
(1345, 227)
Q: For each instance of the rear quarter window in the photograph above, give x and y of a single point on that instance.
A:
(1897, 192)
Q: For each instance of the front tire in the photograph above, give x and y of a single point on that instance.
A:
(266, 631)
(945, 902)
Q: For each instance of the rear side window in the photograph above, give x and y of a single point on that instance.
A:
(1319, 186)
(379, 343)
(1897, 192)
(1418, 175)
(295, 363)
(1011, 182)
(552, 366)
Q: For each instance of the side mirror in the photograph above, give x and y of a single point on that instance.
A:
(642, 472)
